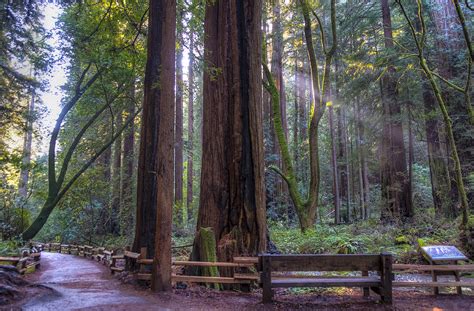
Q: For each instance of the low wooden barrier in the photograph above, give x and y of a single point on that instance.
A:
(137, 263)
(23, 263)
(407, 268)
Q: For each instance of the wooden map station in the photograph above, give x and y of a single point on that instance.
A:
(443, 255)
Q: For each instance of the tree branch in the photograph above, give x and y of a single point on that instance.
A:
(97, 155)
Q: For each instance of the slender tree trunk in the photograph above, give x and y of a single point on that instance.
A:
(232, 199)
(116, 177)
(127, 187)
(178, 148)
(105, 214)
(396, 192)
(189, 178)
(335, 175)
(277, 73)
(363, 203)
(411, 152)
(296, 114)
(26, 156)
(347, 166)
(156, 165)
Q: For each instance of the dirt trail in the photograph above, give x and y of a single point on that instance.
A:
(83, 284)
(80, 283)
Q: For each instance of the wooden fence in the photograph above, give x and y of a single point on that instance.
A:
(243, 268)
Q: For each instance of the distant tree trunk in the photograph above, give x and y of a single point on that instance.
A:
(26, 155)
(411, 151)
(189, 178)
(303, 100)
(335, 175)
(127, 187)
(232, 199)
(296, 113)
(449, 42)
(156, 165)
(277, 73)
(104, 162)
(396, 192)
(116, 177)
(342, 158)
(360, 168)
(178, 148)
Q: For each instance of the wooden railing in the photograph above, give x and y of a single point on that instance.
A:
(136, 263)
(139, 265)
(29, 259)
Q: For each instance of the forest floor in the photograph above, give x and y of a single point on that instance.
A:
(81, 284)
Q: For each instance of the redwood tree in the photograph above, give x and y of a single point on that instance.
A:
(396, 192)
(155, 167)
(232, 200)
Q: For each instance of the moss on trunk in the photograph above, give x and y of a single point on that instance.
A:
(207, 243)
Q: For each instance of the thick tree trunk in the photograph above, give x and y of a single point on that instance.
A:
(156, 165)
(127, 186)
(26, 155)
(178, 147)
(396, 192)
(116, 177)
(232, 199)
(189, 178)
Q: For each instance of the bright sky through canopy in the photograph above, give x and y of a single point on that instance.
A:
(53, 94)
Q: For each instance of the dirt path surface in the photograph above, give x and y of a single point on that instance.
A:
(82, 284)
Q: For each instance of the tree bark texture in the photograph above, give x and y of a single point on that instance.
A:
(156, 160)
(189, 178)
(26, 155)
(232, 199)
(396, 192)
(116, 178)
(128, 168)
(178, 148)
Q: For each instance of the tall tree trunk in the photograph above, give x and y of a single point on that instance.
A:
(26, 155)
(396, 192)
(439, 172)
(342, 158)
(411, 151)
(104, 162)
(114, 225)
(449, 41)
(296, 113)
(335, 175)
(156, 165)
(360, 169)
(277, 73)
(320, 97)
(127, 187)
(178, 148)
(189, 178)
(232, 199)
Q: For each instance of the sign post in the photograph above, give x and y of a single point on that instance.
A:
(443, 254)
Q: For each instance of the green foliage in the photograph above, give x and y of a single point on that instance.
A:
(10, 247)
(367, 237)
